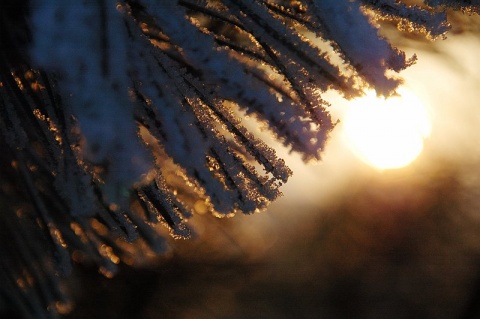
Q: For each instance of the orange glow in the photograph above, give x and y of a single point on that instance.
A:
(387, 133)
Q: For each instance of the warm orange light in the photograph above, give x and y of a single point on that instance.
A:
(387, 133)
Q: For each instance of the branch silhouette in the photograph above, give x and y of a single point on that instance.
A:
(119, 116)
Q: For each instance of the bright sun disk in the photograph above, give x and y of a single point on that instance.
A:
(387, 133)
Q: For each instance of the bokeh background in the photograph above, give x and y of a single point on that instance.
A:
(346, 240)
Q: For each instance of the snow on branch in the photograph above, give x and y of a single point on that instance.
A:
(467, 6)
(411, 18)
(118, 116)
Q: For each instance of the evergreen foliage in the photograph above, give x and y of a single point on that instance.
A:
(117, 116)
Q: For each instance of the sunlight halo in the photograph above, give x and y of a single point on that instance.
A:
(387, 133)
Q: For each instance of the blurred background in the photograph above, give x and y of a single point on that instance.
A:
(347, 239)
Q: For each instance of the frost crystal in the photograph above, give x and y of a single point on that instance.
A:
(121, 115)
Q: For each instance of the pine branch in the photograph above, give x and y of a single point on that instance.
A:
(118, 116)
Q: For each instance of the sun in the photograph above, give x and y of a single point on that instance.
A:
(387, 133)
